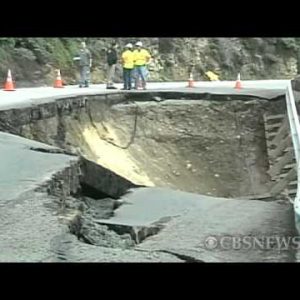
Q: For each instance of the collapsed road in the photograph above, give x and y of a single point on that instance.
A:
(146, 176)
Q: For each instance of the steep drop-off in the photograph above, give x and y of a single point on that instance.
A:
(208, 147)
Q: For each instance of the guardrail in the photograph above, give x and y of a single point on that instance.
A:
(295, 133)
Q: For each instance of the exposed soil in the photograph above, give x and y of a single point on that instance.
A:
(211, 147)
(202, 146)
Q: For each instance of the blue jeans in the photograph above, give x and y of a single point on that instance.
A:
(140, 72)
(127, 74)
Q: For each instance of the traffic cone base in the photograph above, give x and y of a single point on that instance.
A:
(191, 82)
(9, 86)
(58, 84)
(238, 83)
(58, 81)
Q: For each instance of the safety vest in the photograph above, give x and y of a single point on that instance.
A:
(141, 57)
(128, 59)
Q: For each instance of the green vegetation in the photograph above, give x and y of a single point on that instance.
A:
(33, 60)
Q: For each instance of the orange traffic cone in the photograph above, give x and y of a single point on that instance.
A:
(238, 84)
(58, 81)
(9, 86)
(191, 81)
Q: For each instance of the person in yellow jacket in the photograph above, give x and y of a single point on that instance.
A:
(127, 59)
(141, 59)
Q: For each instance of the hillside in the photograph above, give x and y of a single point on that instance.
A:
(33, 60)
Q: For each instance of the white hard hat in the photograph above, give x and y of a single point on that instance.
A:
(129, 45)
(140, 44)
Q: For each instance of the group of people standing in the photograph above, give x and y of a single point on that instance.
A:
(134, 62)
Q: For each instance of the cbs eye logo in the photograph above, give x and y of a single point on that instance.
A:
(211, 243)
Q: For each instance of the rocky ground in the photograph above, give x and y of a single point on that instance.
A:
(35, 229)
(45, 217)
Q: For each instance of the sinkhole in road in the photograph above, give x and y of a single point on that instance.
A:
(210, 147)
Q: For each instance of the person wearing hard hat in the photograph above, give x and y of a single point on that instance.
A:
(141, 59)
(112, 59)
(127, 59)
(85, 63)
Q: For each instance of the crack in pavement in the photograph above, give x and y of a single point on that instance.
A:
(53, 151)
